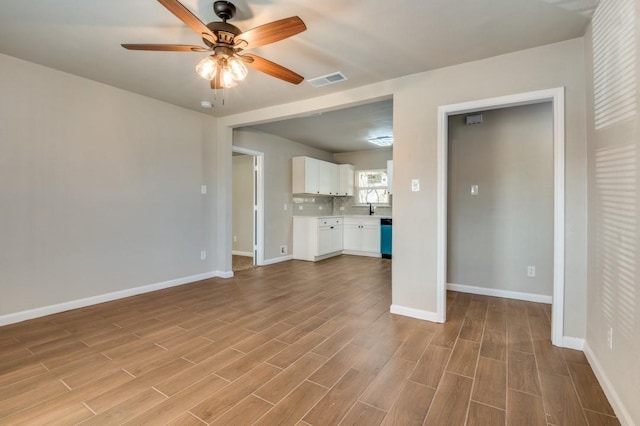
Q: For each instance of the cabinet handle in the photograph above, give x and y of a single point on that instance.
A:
(332, 227)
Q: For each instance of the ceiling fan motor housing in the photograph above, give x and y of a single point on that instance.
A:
(224, 32)
(224, 10)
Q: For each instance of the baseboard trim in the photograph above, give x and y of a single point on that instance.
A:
(414, 313)
(276, 260)
(242, 253)
(224, 274)
(108, 297)
(362, 253)
(616, 403)
(529, 297)
(573, 343)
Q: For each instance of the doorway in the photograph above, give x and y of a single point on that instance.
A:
(248, 207)
(500, 203)
(556, 97)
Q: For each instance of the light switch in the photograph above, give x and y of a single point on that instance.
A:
(415, 185)
(474, 189)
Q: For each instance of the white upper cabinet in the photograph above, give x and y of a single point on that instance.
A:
(327, 178)
(312, 176)
(305, 175)
(345, 179)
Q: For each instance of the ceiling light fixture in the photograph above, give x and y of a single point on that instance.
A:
(228, 70)
(381, 140)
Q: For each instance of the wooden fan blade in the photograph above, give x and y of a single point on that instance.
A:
(165, 47)
(273, 69)
(272, 32)
(183, 14)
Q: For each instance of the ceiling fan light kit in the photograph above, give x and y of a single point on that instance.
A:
(230, 69)
(226, 65)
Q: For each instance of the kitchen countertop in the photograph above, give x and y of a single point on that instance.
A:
(363, 216)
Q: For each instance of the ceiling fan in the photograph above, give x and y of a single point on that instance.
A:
(226, 65)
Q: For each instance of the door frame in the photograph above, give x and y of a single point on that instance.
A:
(556, 97)
(258, 202)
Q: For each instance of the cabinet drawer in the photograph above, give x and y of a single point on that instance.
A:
(330, 221)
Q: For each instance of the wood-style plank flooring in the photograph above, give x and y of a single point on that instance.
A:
(294, 343)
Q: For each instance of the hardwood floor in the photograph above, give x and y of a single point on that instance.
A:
(294, 343)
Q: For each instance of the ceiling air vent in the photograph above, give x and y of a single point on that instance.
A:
(325, 80)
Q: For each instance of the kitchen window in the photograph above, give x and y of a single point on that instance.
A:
(371, 187)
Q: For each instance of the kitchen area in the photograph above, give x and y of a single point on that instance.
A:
(340, 210)
(326, 189)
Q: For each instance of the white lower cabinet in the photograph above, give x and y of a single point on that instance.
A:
(361, 236)
(316, 238)
(329, 235)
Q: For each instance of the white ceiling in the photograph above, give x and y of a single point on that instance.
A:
(345, 130)
(368, 40)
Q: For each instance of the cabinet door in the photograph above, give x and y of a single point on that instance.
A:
(351, 236)
(371, 237)
(336, 238)
(328, 178)
(332, 172)
(304, 179)
(345, 179)
(324, 240)
(311, 172)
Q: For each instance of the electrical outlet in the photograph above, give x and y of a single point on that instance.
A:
(203, 189)
(610, 338)
(283, 249)
(341, 208)
(285, 207)
(474, 189)
(531, 271)
(235, 238)
(203, 255)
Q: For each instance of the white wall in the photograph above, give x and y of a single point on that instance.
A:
(614, 211)
(493, 236)
(415, 130)
(99, 189)
(278, 222)
(243, 203)
(415, 100)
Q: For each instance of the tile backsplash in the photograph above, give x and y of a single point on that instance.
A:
(317, 205)
(312, 205)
